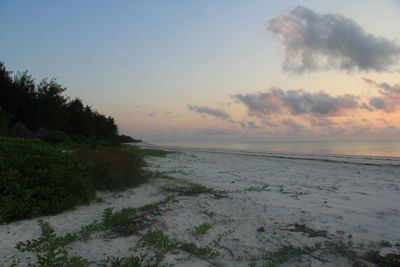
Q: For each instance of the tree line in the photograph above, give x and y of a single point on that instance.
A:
(44, 105)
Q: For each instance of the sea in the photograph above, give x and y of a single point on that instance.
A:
(352, 148)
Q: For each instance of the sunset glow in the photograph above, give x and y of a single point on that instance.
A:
(226, 71)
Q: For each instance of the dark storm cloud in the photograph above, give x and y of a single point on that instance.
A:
(296, 102)
(315, 41)
(204, 110)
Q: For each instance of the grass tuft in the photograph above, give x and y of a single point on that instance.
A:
(202, 229)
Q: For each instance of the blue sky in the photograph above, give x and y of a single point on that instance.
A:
(145, 62)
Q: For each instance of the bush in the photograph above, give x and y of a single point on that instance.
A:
(39, 179)
(3, 123)
(57, 137)
(113, 168)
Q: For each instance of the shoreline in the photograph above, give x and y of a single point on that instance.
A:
(339, 158)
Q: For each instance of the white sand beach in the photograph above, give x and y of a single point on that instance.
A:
(269, 201)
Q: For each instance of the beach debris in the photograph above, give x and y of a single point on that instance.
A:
(297, 227)
(261, 229)
(292, 193)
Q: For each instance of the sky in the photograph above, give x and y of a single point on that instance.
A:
(213, 71)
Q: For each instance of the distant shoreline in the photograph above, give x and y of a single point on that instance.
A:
(339, 158)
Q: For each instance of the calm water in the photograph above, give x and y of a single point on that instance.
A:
(360, 148)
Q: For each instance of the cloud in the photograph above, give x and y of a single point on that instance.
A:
(296, 102)
(315, 41)
(293, 125)
(164, 114)
(204, 110)
(389, 99)
(270, 124)
(213, 131)
(249, 125)
(321, 122)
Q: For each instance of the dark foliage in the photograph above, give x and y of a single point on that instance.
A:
(3, 123)
(113, 168)
(127, 139)
(39, 179)
(57, 137)
(43, 104)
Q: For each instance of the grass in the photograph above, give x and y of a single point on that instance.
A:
(145, 152)
(202, 229)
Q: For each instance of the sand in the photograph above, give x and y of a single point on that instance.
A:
(271, 200)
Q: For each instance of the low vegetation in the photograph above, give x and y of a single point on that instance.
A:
(202, 229)
(50, 250)
(151, 249)
(158, 242)
(201, 252)
(39, 179)
(55, 152)
(374, 256)
(113, 168)
(130, 261)
(145, 152)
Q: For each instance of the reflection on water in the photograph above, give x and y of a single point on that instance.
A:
(360, 148)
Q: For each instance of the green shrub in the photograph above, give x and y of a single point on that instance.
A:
(3, 123)
(113, 168)
(39, 179)
(57, 137)
(50, 249)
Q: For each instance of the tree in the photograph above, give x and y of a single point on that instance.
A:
(45, 105)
